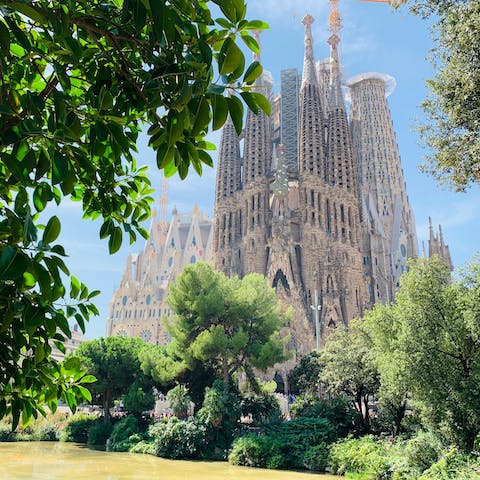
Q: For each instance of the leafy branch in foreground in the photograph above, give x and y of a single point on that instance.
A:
(78, 79)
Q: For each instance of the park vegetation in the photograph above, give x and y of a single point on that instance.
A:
(451, 129)
(393, 397)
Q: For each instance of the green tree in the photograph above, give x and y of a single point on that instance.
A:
(78, 80)
(138, 400)
(348, 368)
(230, 323)
(452, 129)
(439, 344)
(167, 370)
(115, 364)
(304, 377)
(179, 401)
(383, 327)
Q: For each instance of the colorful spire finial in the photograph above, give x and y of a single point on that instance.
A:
(309, 76)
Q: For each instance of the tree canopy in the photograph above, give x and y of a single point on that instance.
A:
(79, 79)
(114, 362)
(229, 323)
(452, 128)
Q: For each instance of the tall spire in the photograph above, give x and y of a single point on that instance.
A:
(335, 95)
(309, 76)
(229, 162)
(340, 153)
(311, 133)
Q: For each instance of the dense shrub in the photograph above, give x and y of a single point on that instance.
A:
(6, 434)
(361, 455)
(262, 409)
(178, 438)
(46, 433)
(143, 446)
(220, 415)
(257, 451)
(99, 433)
(453, 466)
(422, 451)
(300, 443)
(338, 411)
(121, 438)
(316, 457)
(77, 428)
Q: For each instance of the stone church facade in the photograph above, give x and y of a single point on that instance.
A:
(138, 307)
(317, 200)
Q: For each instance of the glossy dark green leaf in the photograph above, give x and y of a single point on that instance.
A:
(59, 168)
(106, 229)
(115, 240)
(52, 230)
(13, 263)
(230, 57)
(253, 72)
(235, 107)
(220, 111)
(4, 38)
(202, 117)
(250, 101)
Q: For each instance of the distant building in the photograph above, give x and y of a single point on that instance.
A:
(139, 304)
(71, 344)
(437, 245)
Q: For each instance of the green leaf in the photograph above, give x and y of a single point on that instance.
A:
(250, 42)
(28, 11)
(84, 393)
(115, 240)
(74, 287)
(4, 37)
(253, 72)
(220, 111)
(52, 230)
(257, 25)
(59, 168)
(13, 263)
(106, 229)
(230, 57)
(262, 102)
(250, 101)
(235, 107)
(88, 379)
(202, 117)
(105, 99)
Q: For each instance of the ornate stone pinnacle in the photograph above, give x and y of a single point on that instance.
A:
(308, 19)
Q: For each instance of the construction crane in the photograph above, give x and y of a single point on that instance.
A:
(336, 19)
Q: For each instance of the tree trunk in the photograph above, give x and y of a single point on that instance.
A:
(107, 398)
(399, 416)
(226, 376)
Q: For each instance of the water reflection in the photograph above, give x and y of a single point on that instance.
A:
(60, 461)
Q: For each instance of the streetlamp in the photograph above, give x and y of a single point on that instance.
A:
(317, 307)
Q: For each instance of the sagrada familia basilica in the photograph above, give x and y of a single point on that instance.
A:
(312, 197)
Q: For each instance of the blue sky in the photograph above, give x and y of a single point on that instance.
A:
(374, 38)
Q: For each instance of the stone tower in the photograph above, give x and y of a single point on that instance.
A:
(388, 227)
(292, 212)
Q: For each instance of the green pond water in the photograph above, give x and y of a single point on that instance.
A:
(61, 461)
